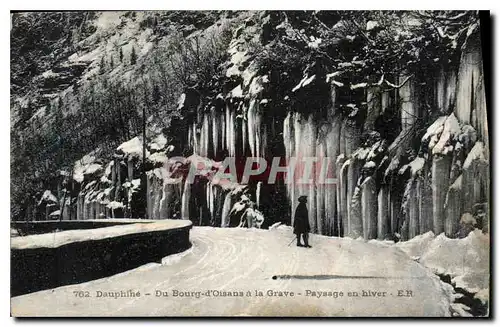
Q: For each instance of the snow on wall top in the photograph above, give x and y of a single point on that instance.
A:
(451, 129)
(115, 205)
(159, 142)
(132, 148)
(47, 197)
(256, 86)
(457, 184)
(92, 168)
(415, 165)
(477, 153)
(434, 130)
(86, 165)
(158, 157)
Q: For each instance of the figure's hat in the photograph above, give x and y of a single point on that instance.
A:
(302, 198)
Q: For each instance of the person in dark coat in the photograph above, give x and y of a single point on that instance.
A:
(301, 222)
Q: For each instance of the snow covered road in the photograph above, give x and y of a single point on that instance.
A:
(229, 271)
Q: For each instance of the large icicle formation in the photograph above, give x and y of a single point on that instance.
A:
(409, 150)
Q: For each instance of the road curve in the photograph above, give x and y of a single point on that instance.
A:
(249, 272)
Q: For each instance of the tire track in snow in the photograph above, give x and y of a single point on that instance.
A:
(233, 259)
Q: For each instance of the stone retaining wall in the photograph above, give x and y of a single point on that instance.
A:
(82, 255)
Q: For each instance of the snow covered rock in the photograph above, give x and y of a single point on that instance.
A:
(449, 134)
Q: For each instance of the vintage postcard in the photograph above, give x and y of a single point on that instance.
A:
(250, 163)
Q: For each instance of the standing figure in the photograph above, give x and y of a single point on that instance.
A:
(301, 222)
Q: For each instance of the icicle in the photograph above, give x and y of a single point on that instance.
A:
(257, 130)
(217, 207)
(244, 137)
(446, 90)
(288, 138)
(262, 138)
(468, 76)
(225, 210)
(78, 207)
(195, 139)
(151, 186)
(321, 222)
(190, 138)
(342, 196)
(297, 127)
(342, 138)
(186, 196)
(373, 107)
(228, 128)
(425, 205)
(114, 163)
(232, 134)
(332, 151)
(453, 208)
(394, 209)
(383, 218)
(213, 197)
(409, 112)
(440, 179)
(164, 202)
(215, 131)
(223, 120)
(354, 218)
(413, 208)
(149, 197)
(482, 113)
(369, 208)
(257, 193)
(331, 215)
(311, 192)
(206, 136)
(130, 170)
(208, 192)
(308, 144)
(157, 197)
(355, 214)
(385, 101)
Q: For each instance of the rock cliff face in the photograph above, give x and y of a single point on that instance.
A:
(408, 148)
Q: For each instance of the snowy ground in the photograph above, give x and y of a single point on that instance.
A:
(465, 261)
(246, 260)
